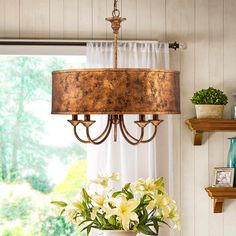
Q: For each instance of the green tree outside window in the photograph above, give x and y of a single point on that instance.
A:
(26, 183)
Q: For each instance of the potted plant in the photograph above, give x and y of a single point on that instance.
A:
(209, 103)
(139, 207)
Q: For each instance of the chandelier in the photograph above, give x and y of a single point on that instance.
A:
(115, 92)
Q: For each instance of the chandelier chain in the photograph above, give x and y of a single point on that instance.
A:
(115, 4)
(116, 11)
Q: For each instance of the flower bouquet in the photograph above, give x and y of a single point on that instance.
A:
(142, 206)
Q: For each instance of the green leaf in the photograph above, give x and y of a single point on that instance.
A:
(63, 210)
(129, 195)
(89, 229)
(156, 226)
(102, 219)
(111, 206)
(145, 230)
(163, 222)
(160, 181)
(84, 221)
(112, 220)
(115, 194)
(85, 195)
(59, 203)
(127, 186)
(144, 217)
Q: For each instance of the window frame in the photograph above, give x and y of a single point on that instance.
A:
(40, 50)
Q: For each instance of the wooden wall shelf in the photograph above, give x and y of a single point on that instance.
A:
(219, 195)
(199, 126)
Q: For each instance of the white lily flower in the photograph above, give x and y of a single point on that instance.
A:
(71, 213)
(104, 179)
(115, 176)
(149, 186)
(78, 205)
(101, 180)
(94, 212)
(109, 212)
(124, 209)
(176, 222)
(99, 199)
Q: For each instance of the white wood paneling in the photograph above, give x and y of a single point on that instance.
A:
(172, 17)
(109, 9)
(42, 19)
(56, 19)
(201, 152)
(99, 15)
(12, 12)
(208, 28)
(158, 19)
(85, 19)
(129, 11)
(144, 19)
(187, 89)
(27, 19)
(164, 155)
(229, 49)
(9, 10)
(2, 19)
(172, 25)
(216, 140)
(34, 19)
(229, 75)
(70, 19)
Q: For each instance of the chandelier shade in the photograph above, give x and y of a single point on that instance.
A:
(115, 91)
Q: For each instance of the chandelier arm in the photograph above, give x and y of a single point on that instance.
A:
(152, 137)
(105, 130)
(115, 132)
(128, 140)
(77, 136)
(105, 137)
(125, 129)
(99, 137)
(132, 137)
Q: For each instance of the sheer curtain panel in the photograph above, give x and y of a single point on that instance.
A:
(132, 162)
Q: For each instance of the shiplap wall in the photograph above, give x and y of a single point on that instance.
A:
(209, 29)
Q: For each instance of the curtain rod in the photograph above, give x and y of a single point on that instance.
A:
(43, 42)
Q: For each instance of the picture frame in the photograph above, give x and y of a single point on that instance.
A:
(223, 177)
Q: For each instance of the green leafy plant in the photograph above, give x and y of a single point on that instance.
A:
(210, 96)
(142, 206)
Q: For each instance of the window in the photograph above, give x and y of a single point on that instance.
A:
(40, 159)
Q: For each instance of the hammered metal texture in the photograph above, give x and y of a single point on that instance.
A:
(115, 91)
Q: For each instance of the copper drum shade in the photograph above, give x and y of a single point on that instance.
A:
(115, 91)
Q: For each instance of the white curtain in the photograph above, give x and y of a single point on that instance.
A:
(132, 162)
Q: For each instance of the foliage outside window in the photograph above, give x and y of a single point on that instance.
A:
(38, 162)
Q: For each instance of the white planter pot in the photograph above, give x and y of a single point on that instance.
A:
(117, 233)
(209, 111)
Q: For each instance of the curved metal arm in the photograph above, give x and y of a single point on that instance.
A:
(138, 141)
(132, 137)
(107, 131)
(99, 137)
(77, 136)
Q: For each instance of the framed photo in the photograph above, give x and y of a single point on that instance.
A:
(223, 177)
